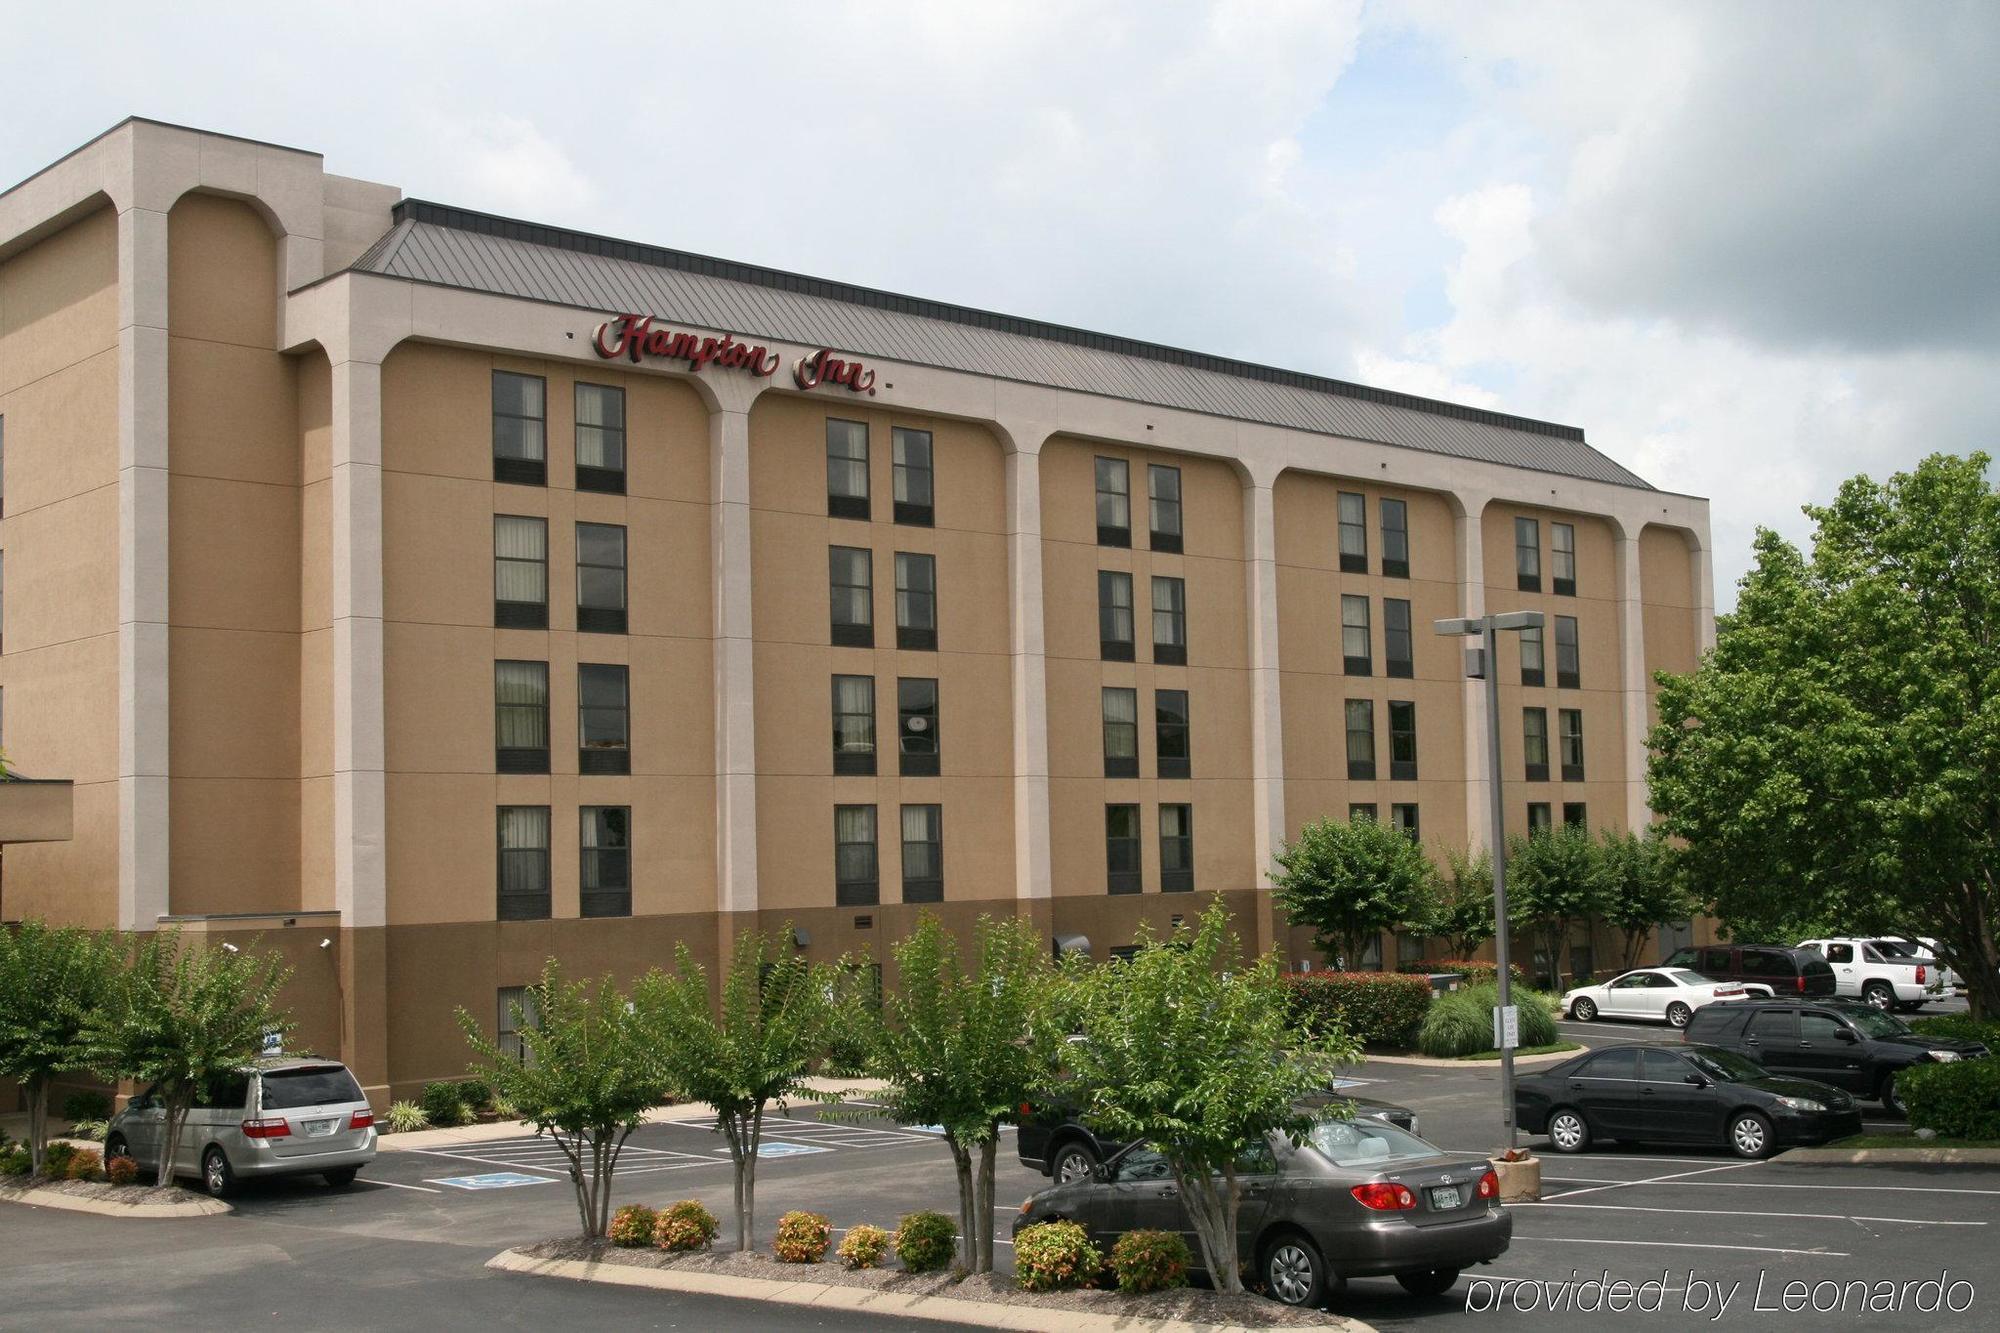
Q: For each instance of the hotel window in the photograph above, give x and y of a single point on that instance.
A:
(1114, 615)
(1527, 555)
(1570, 720)
(521, 717)
(923, 854)
(1360, 740)
(1353, 533)
(1354, 647)
(910, 451)
(508, 1031)
(520, 428)
(1121, 849)
(1562, 558)
(600, 578)
(1404, 817)
(1575, 815)
(1402, 741)
(1535, 743)
(1170, 733)
(846, 469)
(1398, 648)
(1409, 947)
(524, 863)
(1163, 491)
(606, 880)
(917, 705)
(600, 439)
(520, 572)
(916, 601)
(1169, 621)
(1531, 655)
(1361, 810)
(603, 718)
(851, 584)
(855, 879)
(1176, 848)
(1569, 667)
(1395, 539)
(1538, 817)
(854, 725)
(1121, 732)
(1114, 502)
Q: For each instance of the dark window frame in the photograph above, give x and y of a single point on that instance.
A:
(522, 470)
(1352, 665)
(1406, 816)
(1527, 554)
(841, 504)
(851, 634)
(593, 477)
(603, 862)
(1403, 741)
(520, 758)
(603, 758)
(912, 513)
(1121, 879)
(1569, 736)
(913, 637)
(1112, 534)
(1576, 814)
(509, 613)
(1540, 820)
(1114, 649)
(1361, 810)
(1173, 651)
(605, 619)
(1117, 765)
(1351, 531)
(1569, 654)
(1534, 675)
(1395, 537)
(1359, 770)
(522, 905)
(1562, 555)
(922, 888)
(854, 762)
(1167, 730)
(1180, 878)
(918, 724)
(1158, 538)
(854, 891)
(1533, 736)
(1403, 665)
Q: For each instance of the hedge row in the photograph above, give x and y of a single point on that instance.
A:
(1375, 1008)
(1475, 970)
(1962, 1026)
(1960, 1100)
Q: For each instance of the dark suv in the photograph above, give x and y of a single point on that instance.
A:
(1770, 970)
(1848, 1043)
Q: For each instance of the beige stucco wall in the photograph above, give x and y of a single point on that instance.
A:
(59, 638)
(1672, 619)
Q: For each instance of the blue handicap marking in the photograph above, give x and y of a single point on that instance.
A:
(927, 1129)
(775, 1149)
(492, 1180)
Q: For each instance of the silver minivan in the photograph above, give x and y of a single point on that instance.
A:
(276, 1116)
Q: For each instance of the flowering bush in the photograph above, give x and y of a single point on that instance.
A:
(1150, 1261)
(1055, 1256)
(85, 1165)
(632, 1226)
(1374, 1008)
(121, 1171)
(864, 1246)
(926, 1241)
(684, 1226)
(802, 1238)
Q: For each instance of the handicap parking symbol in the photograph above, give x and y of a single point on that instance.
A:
(775, 1149)
(492, 1180)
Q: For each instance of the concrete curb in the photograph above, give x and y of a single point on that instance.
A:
(46, 1198)
(864, 1300)
(1889, 1156)
(1520, 1062)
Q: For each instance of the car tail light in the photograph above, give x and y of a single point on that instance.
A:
(362, 1120)
(267, 1129)
(1384, 1196)
(1489, 1185)
(1802, 985)
(1920, 974)
(1026, 1110)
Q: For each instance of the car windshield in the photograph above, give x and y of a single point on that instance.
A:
(1723, 1066)
(313, 1086)
(1365, 1143)
(1875, 1023)
(1687, 978)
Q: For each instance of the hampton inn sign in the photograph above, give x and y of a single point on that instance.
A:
(636, 337)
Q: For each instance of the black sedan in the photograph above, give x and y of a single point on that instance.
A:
(1358, 1199)
(1679, 1094)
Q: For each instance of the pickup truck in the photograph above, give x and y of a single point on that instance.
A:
(1886, 980)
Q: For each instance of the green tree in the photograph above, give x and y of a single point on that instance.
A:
(962, 1049)
(588, 1069)
(1554, 880)
(1838, 754)
(1350, 881)
(53, 985)
(183, 1015)
(1188, 1047)
(758, 1047)
(1462, 909)
(1644, 886)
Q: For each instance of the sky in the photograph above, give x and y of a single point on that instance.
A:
(1752, 249)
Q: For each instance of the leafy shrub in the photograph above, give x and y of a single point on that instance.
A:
(55, 1160)
(1375, 1008)
(121, 1171)
(927, 1241)
(406, 1117)
(89, 1129)
(632, 1226)
(505, 1110)
(1960, 1100)
(1055, 1256)
(1461, 1022)
(15, 1162)
(475, 1094)
(802, 1238)
(1962, 1026)
(1474, 970)
(443, 1105)
(1150, 1261)
(85, 1165)
(86, 1106)
(684, 1226)
(863, 1246)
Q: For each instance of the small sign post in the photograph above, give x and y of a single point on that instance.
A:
(1507, 1027)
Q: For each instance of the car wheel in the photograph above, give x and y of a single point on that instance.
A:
(1891, 1100)
(342, 1178)
(216, 1177)
(1750, 1135)
(1073, 1162)
(1584, 1010)
(116, 1146)
(1294, 1272)
(1880, 995)
(1428, 1281)
(1568, 1130)
(1678, 1015)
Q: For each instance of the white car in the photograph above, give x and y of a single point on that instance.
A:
(1667, 995)
(1924, 949)
(1884, 979)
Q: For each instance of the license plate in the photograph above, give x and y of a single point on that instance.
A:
(319, 1129)
(1446, 1196)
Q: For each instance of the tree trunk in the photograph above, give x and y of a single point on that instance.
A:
(983, 1199)
(1209, 1201)
(747, 1228)
(968, 1231)
(732, 1129)
(573, 1148)
(38, 1123)
(175, 1119)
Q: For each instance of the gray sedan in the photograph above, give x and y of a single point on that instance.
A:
(1357, 1199)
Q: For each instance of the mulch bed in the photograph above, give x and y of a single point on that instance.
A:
(1191, 1304)
(98, 1189)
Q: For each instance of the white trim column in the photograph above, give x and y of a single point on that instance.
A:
(143, 826)
(360, 811)
(1471, 550)
(1028, 668)
(1632, 671)
(735, 663)
(1267, 721)
(1704, 590)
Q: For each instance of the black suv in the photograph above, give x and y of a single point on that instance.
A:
(1764, 969)
(1051, 1139)
(1848, 1043)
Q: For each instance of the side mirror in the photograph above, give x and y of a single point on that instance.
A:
(1847, 1035)
(1698, 1080)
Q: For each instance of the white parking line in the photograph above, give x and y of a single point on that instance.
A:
(1770, 1185)
(1657, 1180)
(1679, 1245)
(1730, 1212)
(421, 1189)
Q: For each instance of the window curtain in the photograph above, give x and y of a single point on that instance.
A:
(521, 691)
(854, 701)
(600, 427)
(1121, 724)
(521, 553)
(524, 840)
(854, 838)
(920, 842)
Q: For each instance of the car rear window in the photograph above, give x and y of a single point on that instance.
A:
(1766, 963)
(1815, 967)
(1366, 1142)
(1717, 1022)
(1687, 978)
(316, 1085)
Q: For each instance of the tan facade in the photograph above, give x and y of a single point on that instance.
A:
(253, 534)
